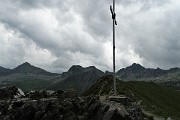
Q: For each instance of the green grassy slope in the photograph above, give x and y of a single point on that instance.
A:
(27, 82)
(156, 99)
(80, 82)
(27, 85)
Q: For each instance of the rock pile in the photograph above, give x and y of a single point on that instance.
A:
(10, 93)
(57, 105)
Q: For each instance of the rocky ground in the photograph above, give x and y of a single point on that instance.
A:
(63, 105)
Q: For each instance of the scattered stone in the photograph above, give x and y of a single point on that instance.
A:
(10, 93)
(61, 105)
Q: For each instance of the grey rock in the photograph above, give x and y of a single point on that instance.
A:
(63, 105)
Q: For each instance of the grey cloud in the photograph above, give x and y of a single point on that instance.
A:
(147, 3)
(80, 32)
(96, 15)
(52, 40)
(12, 48)
(156, 39)
(34, 4)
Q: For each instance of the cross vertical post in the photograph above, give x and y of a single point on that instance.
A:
(112, 9)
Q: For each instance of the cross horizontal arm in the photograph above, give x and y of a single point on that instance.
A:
(113, 15)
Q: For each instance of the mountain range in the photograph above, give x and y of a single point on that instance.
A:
(27, 77)
(138, 72)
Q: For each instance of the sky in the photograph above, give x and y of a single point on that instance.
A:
(56, 34)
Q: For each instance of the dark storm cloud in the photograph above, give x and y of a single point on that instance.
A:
(57, 34)
(52, 28)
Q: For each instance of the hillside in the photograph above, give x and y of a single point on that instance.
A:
(154, 98)
(77, 77)
(4, 71)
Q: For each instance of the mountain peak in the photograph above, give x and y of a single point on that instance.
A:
(136, 67)
(27, 68)
(75, 68)
(26, 63)
(131, 72)
(24, 68)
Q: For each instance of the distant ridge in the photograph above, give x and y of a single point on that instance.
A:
(136, 71)
(27, 76)
(27, 68)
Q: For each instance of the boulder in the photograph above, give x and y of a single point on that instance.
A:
(10, 93)
(61, 105)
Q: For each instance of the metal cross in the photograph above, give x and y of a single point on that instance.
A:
(114, 23)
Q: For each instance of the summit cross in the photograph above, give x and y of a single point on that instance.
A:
(112, 9)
